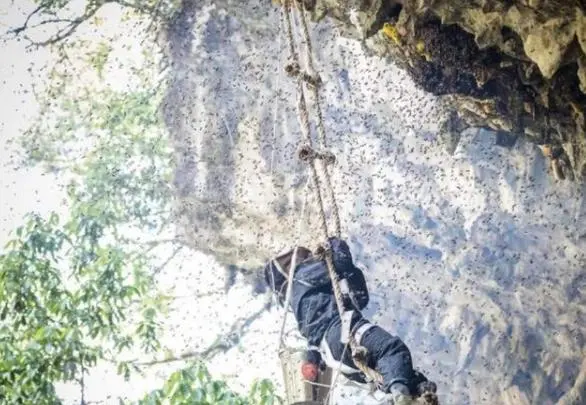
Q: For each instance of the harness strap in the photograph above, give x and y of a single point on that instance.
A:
(286, 275)
(280, 268)
(346, 320)
(344, 286)
(332, 362)
(361, 331)
(358, 335)
(347, 293)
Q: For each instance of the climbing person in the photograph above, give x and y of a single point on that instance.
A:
(313, 304)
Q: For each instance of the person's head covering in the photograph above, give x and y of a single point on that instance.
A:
(277, 269)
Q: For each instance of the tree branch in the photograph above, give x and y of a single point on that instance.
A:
(73, 24)
(161, 267)
(159, 242)
(222, 344)
(155, 14)
(197, 295)
(18, 30)
(153, 244)
(67, 31)
(82, 383)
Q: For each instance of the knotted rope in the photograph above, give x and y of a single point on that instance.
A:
(310, 156)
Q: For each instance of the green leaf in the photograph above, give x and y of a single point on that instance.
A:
(124, 369)
(73, 289)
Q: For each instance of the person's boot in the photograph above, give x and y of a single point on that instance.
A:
(400, 394)
(426, 392)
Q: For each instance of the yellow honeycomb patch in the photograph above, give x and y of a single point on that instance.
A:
(391, 32)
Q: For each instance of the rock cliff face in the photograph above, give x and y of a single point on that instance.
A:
(476, 256)
(515, 66)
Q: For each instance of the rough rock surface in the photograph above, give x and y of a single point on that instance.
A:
(476, 260)
(516, 66)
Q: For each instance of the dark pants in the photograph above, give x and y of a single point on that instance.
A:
(387, 354)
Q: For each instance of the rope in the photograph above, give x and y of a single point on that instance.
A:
(304, 118)
(336, 375)
(358, 353)
(288, 295)
(303, 206)
(319, 116)
(307, 154)
(291, 272)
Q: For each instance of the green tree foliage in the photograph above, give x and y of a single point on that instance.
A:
(71, 298)
(65, 294)
(110, 144)
(81, 290)
(195, 385)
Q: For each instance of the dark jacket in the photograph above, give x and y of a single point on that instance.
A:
(312, 298)
(314, 306)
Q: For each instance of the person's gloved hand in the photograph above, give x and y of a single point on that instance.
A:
(309, 371)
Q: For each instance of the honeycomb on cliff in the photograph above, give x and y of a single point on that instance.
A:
(517, 66)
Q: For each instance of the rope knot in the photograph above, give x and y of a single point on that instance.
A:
(359, 354)
(360, 358)
(312, 80)
(294, 70)
(308, 154)
(322, 249)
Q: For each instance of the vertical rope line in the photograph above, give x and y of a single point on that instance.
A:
(305, 128)
(320, 122)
